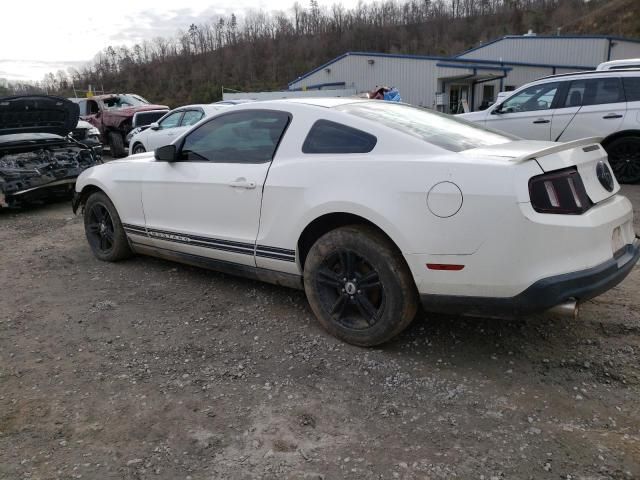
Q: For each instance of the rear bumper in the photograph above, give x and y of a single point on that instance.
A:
(543, 294)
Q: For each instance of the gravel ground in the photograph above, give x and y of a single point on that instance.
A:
(148, 369)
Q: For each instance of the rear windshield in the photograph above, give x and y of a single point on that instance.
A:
(442, 130)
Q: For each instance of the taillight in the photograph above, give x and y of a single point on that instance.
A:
(561, 192)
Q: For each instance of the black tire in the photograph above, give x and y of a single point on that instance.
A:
(116, 144)
(378, 305)
(624, 158)
(103, 229)
(138, 148)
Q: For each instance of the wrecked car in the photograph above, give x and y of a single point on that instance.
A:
(88, 135)
(39, 159)
(112, 115)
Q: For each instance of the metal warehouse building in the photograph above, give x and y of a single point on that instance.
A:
(474, 77)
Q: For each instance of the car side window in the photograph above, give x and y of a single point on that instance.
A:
(575, 94)
(603, 90)
(632, 88)
(534, 98)
(250, 136)
(171, 121)
(331, 137)
(191, 117)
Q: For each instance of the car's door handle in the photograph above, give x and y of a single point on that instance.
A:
(541, 120)
(612, 115)
(242, 183)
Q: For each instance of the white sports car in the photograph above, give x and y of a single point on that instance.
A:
(170, 126)
(371, 207)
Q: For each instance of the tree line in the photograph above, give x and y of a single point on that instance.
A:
(264, 50)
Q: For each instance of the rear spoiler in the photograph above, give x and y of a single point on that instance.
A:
(559, 147)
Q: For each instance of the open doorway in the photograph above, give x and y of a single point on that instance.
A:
(458, 96)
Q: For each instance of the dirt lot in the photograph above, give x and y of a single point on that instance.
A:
(148, 369)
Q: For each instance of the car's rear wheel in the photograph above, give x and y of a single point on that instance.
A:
(103, 229)
(116, 144)
(359, 286)
(138, 148)
(624, 158)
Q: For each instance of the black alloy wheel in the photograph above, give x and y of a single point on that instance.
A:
(350, 290)
(100, 231)
(104, 231)
(624, 158)
(359, 285)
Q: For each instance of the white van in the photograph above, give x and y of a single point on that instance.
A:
(561, 108)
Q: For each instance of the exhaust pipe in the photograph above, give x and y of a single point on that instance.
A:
(566, 309)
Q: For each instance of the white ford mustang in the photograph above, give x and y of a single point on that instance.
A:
(371, 207)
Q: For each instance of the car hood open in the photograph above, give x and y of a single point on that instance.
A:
(37, 113)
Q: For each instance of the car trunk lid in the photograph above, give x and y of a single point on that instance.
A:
(37, 114)
(586, 155)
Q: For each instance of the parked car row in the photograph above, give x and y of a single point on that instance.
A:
(112, 115)
(603, 103)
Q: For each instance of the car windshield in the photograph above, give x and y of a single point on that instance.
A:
(442, 130)
(123, 101)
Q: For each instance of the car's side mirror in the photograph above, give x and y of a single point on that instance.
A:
(154, 126)
(497, 111)
(167, 153)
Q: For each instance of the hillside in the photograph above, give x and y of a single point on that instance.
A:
(616, 17)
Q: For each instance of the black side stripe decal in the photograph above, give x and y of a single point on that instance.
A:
(264, 251)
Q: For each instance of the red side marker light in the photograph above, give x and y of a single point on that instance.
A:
(444, 266)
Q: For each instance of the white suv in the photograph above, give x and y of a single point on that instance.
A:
(567, 107)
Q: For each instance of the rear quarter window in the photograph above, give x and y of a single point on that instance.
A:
(331, 137)
(631, 88)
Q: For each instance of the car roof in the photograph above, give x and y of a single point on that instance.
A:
(621, 62)
(327, 102)
(592, 72)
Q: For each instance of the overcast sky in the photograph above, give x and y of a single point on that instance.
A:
(37, 37)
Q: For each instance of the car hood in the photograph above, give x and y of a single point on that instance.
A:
(137, 158)
(38, 114)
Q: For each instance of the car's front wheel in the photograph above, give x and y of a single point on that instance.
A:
(624, 158)
(359, 286)
(138, 148)
(103, 229)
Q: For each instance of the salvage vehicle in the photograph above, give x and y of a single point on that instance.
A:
(39, 159)
(88, 135)
(169, 127)
(570, 106)
(112, 114)
(142, 120)
(372, 207)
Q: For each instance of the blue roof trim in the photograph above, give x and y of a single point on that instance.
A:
(547, 37)
(330, 62)
(474, 67)
(445, 59)
(521, 64)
